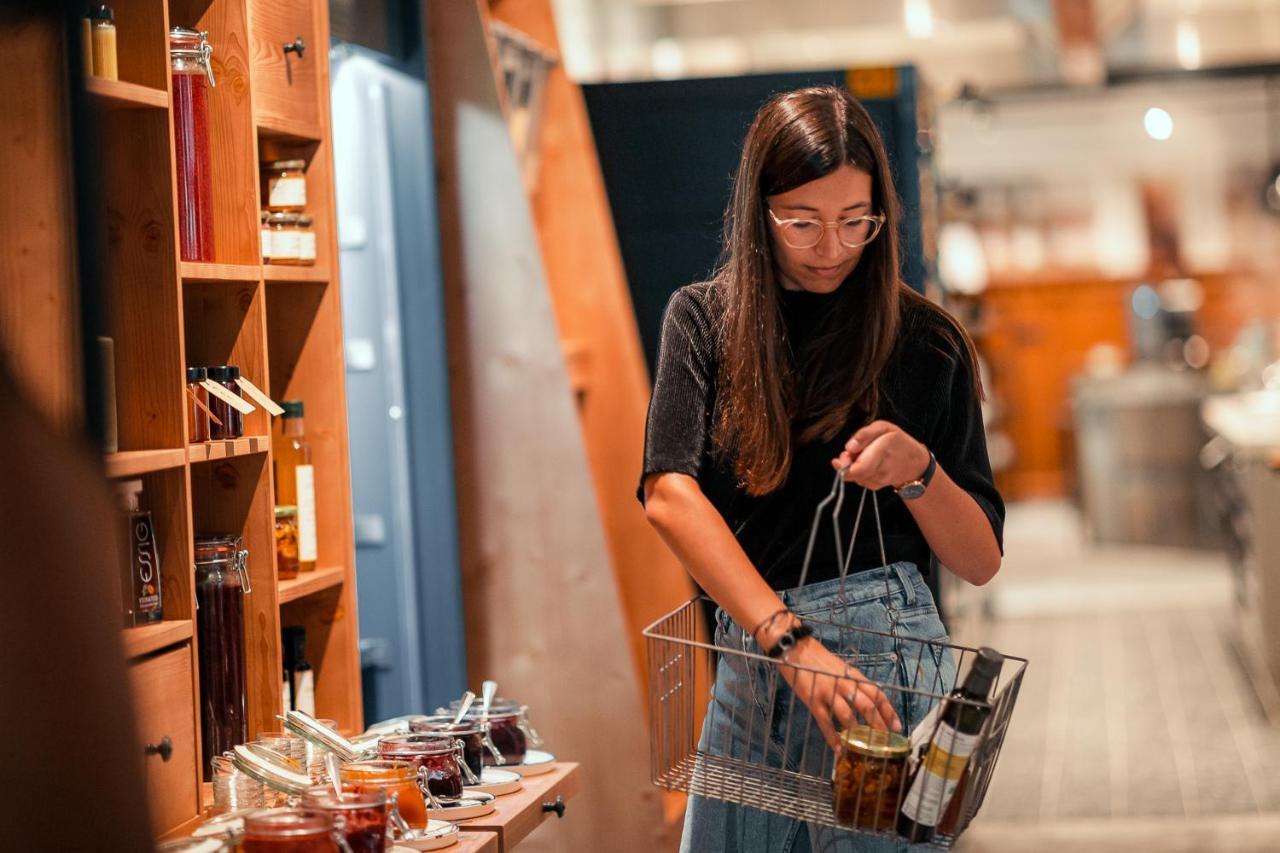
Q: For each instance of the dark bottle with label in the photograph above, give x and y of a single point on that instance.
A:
(936, 779)
(143, 603)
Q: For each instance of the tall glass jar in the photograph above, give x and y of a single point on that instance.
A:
(397, 779)
(221, 582)
(192, 72)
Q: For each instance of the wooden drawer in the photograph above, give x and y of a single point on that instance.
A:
(521, 813)
(286, 87)
(164, 707)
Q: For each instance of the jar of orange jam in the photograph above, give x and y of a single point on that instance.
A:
(398, 779)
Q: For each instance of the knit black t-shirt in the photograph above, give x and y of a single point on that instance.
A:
(927, 390)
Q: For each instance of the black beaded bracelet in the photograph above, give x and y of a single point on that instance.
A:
(789, 640)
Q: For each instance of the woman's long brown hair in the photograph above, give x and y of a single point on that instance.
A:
(770, 396)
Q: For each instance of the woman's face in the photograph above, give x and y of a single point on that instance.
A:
(844, 193)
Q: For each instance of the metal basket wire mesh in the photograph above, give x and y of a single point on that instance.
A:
(783, 771)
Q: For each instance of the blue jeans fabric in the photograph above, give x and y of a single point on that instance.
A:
(749, 697)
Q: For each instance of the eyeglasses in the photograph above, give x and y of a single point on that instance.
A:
(807, 233)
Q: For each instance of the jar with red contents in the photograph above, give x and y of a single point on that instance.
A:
(361, 818)
(509, 728)
(399, 780)
(439, 755)
(192, 73)
(289, 831)
(474, 735)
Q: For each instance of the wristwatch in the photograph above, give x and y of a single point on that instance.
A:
(913, 489)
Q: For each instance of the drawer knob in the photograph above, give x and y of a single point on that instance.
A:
(557, 806)
(164, 750)
(297, 46)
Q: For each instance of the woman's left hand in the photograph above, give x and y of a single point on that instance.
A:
(881, 454)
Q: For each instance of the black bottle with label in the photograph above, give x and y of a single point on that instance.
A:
(939, 773)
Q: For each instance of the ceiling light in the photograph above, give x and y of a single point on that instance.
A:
(1159, 123)
(918, 17)
(1188, 45)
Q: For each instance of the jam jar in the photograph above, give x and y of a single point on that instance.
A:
(397, 779)
(508, 728)
(360, 817)
(474, 735)
(438, 754)
(288, 831)
(222, 580)
(869, 778)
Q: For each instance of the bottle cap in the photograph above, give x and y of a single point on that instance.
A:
(102, 13)
(985, 669)
(197, 374)
(224, 373)
(292, 408)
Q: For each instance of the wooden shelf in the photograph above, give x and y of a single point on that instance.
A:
(119, 95)
(309, 583)
(220, 272)
(222, 449)
(521, 813)
(281, 128)
(476, 842)
(145, 639)
(279, 272)
(131, 463)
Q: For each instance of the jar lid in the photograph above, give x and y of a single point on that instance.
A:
(312, 730)
(283, 218)
(197, 374)
(445, 723)
(286, 165)
(422, 743)
(286, 511)
(387, 767)
(304, 220)
(269, 768)
(224, 373)
(499, 705)
(878, 743)
(103, 12)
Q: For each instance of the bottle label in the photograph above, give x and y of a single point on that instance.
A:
(288, 192)
(305, 478)
(939, 775)
(306, 698)
(146, 568)
(266, 244)
(286, 245)
(307, 246)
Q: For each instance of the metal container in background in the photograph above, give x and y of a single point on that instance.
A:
(1138, 440)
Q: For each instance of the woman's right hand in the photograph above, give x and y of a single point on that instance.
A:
(837, 694)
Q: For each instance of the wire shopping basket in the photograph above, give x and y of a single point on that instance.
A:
(769, 754)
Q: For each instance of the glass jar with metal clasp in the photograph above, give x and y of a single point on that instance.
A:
(222, 581)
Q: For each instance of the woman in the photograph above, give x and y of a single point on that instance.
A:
(805, 354)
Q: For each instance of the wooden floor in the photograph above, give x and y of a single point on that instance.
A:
(1136, 728)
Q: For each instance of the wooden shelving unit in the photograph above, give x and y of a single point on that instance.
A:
(280, 325)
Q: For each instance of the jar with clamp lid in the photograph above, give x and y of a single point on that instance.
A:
(222, 580)
(192, 72)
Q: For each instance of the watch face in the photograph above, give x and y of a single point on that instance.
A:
(911, 491)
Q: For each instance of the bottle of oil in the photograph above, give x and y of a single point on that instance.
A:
(954, 741)
(295, 478)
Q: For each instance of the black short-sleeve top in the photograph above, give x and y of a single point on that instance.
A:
(927, 389)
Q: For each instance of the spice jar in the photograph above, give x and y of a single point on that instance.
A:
(474, 735)
(198, 422)
(232, 420)
(509, 728)
(870, 778)
(360, 817)
(439, 755)
(286, 185)
(221, 582)
(286, 542)
(286, 239)
(306, 241)
(288, 831)
(192, 73)
(397, 779)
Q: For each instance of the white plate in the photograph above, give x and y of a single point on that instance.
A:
(497, 782)
(440, 834)
(472, 804)
(536, 762)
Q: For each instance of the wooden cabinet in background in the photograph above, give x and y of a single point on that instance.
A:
(287, 55)
(165, 714)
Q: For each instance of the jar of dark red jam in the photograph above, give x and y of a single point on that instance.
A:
(474, 735)
(361, 818)
(288, 831)
(192, 73)
(509, 728)
(439, 755)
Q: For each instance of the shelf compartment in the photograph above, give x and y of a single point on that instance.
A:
(309, 583)
(131, 463)
(119, 95)
(224, 325)
(145, 639)
(284, 273)
(287, 130)
(192, 271)
(227, 448)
